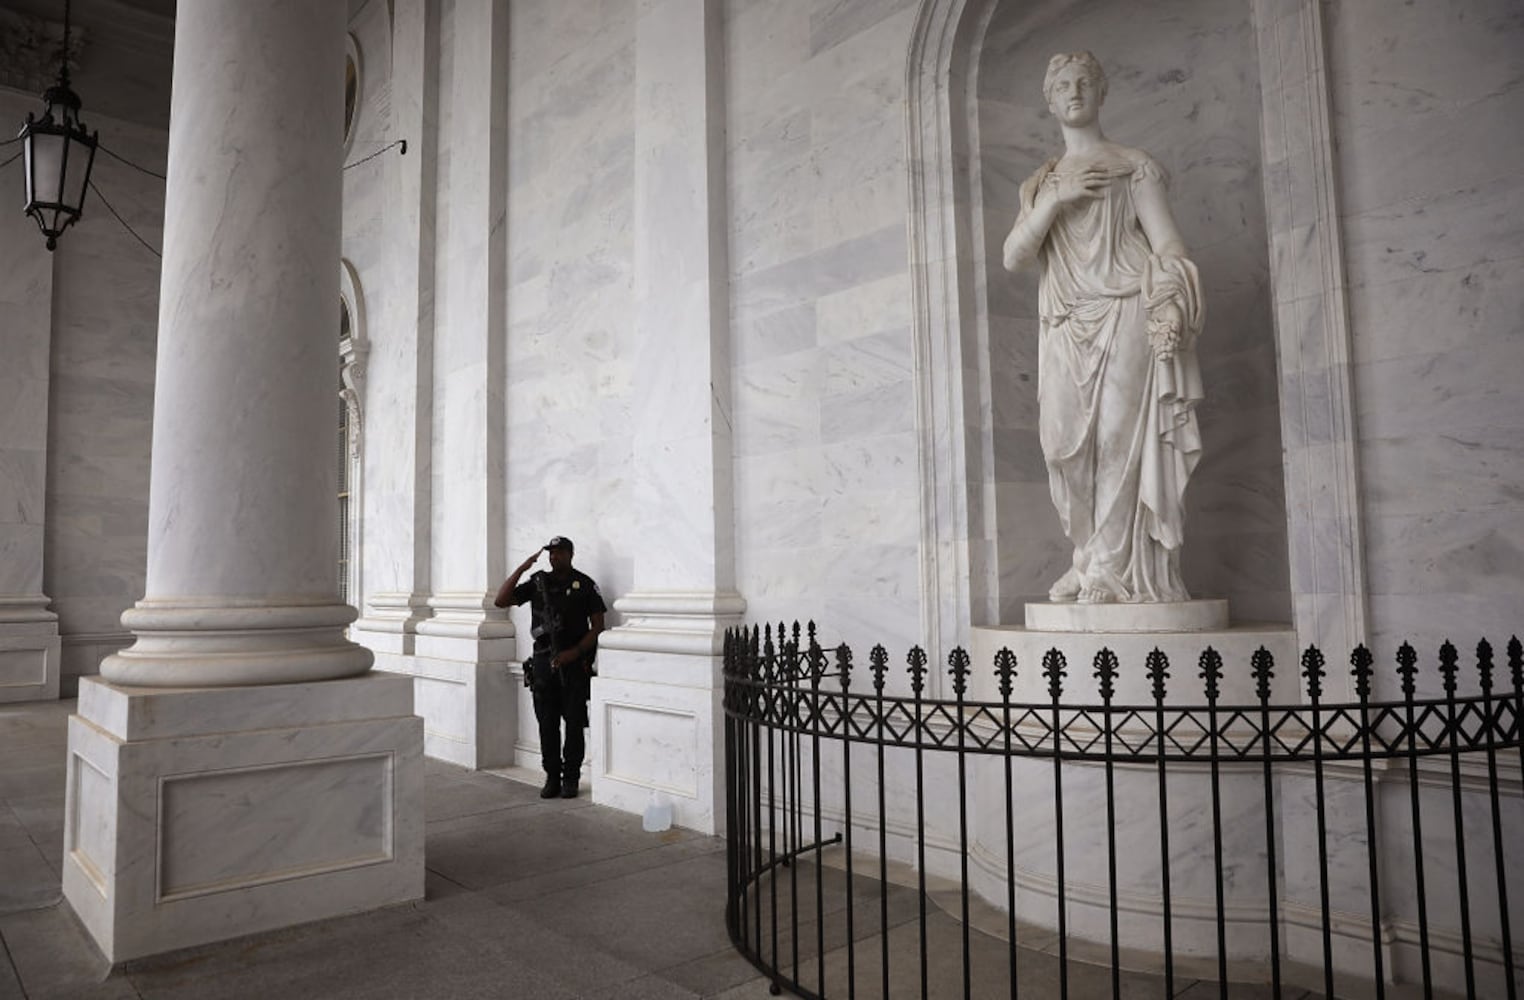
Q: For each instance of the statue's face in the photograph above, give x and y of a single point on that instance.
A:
(1074, 98)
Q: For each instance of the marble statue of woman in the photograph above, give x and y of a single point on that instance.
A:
(1120, 308)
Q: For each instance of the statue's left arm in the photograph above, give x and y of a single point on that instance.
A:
(1148, 197)
(1171, 286)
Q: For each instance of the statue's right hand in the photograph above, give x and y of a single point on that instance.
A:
(1083, 184)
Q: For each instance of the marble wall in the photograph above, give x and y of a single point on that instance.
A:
(1183, 85)
(1427, 100)
(826, 490)
(99, 395)
(29, 644)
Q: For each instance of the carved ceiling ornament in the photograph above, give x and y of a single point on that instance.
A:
(29, 50)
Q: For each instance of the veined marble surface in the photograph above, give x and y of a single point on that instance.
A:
(827, 501)
(1425, 105)
(570, 286)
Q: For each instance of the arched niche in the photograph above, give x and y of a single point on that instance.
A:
(1184, 86)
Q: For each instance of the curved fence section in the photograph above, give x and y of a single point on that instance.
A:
(884, 843)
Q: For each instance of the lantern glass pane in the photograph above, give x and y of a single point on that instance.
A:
(78, 167)
(45, 156)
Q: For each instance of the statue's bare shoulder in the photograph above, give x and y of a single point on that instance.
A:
(1030, 186)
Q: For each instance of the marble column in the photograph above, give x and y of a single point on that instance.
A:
(29, 642)
(238, 769)
(463, 647)
(656, 705)
(245, 367)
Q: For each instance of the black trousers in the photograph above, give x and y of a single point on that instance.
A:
(561, 696)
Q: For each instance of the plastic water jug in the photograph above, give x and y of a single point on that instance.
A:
(658, 814)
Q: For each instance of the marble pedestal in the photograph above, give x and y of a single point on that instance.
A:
(469, 706)
(199, 814)
(1236, 643)
(1079, 632)
(29, 650)
(657, 724)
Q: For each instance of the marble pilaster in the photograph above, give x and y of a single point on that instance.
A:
(656, 715)
(399, 477)
(1310, 292)
(232, 772)
(29, 644)
(463, 646)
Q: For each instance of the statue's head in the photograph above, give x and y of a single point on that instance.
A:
(1074, 87)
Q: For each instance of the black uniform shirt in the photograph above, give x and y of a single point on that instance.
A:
(575, 600)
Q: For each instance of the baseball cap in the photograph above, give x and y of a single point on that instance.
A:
(560, 542)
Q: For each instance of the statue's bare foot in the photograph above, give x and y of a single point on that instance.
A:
(1066, 589)
(1094, 594)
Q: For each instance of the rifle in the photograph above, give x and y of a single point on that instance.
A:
(550, 626)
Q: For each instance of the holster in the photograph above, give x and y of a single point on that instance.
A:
(537, 671)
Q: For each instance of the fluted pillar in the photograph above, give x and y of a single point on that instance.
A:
(239, 768)
(242, 584)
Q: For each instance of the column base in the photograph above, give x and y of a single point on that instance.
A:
(390, 622)
(199, 814)
(29, 650)
(656, 714)
(462, 685)
(228, 643)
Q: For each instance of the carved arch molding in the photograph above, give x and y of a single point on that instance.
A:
(1321, 479)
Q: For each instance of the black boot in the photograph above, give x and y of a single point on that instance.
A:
(552, 787)
(568, 788)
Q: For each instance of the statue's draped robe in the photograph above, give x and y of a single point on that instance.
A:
(1117, 424)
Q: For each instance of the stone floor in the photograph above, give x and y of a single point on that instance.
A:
(525, 898)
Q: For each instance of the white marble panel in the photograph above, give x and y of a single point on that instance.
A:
(91, 843)
(325, 815)
(23, 668)
(29, 651)
(658, 748)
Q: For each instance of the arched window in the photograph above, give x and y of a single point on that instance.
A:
(353, 348)
(351, 89)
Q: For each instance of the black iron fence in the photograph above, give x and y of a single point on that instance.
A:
(1346, 847)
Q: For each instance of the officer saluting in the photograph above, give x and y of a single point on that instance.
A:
(566, 617)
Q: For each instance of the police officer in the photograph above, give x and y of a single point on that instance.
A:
(566, 617)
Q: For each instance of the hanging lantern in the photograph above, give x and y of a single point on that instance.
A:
(58, 153)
